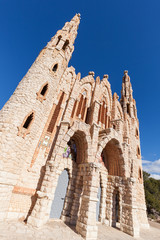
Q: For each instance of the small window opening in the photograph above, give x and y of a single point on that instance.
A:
(59, 38)
(138, 150)
(137, 134)
(128, 108)
(44, 90)
(87, 120)
(114, 126)
(56, 114)
(140, 173)
(65, 45)
(54, 69)
(28, 121)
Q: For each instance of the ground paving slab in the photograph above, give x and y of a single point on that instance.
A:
(57, 230)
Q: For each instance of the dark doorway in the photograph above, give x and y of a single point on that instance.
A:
(116, 209)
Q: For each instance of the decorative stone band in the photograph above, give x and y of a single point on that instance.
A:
(24, 191)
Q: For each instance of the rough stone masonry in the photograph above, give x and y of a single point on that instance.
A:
(55, 121)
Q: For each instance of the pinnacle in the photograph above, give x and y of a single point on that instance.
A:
(91, 73)
(77, 15)
(106, 76)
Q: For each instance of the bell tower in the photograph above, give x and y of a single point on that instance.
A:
(23, 119)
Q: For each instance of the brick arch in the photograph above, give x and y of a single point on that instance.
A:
(87, 79)
(113, 154)
(80, 133)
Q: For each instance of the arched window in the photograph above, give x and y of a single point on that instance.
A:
(44, 90)
(114, 126)
(102, 115)
(79, 105)
(65, 45)
(128, 108)
(59, 39)
(41, 95)
(55, 114)
(55, 67)
(74, 108)
(82, 106)
(88, 115)
(24, 129)
(138, 151)
(140, 173)
(28, 121)
(137, 133)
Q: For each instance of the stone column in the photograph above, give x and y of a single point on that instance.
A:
(41, 210)
(76, 199)
(102, 217)
(66, 213)
(109, 191)
(86, 223)
(95, 112)
(129, 221)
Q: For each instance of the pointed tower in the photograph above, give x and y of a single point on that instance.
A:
(34, 109)
(127, 101)
(131, 141)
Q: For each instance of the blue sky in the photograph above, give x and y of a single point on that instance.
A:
(114, 35)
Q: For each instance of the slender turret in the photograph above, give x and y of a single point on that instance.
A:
(127, 102)
(30, 114)
(64, 39)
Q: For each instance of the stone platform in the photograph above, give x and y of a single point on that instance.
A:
(57, 230)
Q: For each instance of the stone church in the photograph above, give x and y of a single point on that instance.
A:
(69, 148)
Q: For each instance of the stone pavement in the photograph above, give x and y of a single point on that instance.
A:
(57, 230)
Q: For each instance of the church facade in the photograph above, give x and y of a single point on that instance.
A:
(57, 122)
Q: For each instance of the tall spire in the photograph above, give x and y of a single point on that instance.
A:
(67, 33)
(70, 28)
(127, 101)
(63, 41)
(126, 87)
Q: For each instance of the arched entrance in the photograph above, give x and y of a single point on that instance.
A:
(59, 197)
(112, 158)
(75, 152)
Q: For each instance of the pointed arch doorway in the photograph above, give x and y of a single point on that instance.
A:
(59, 197)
